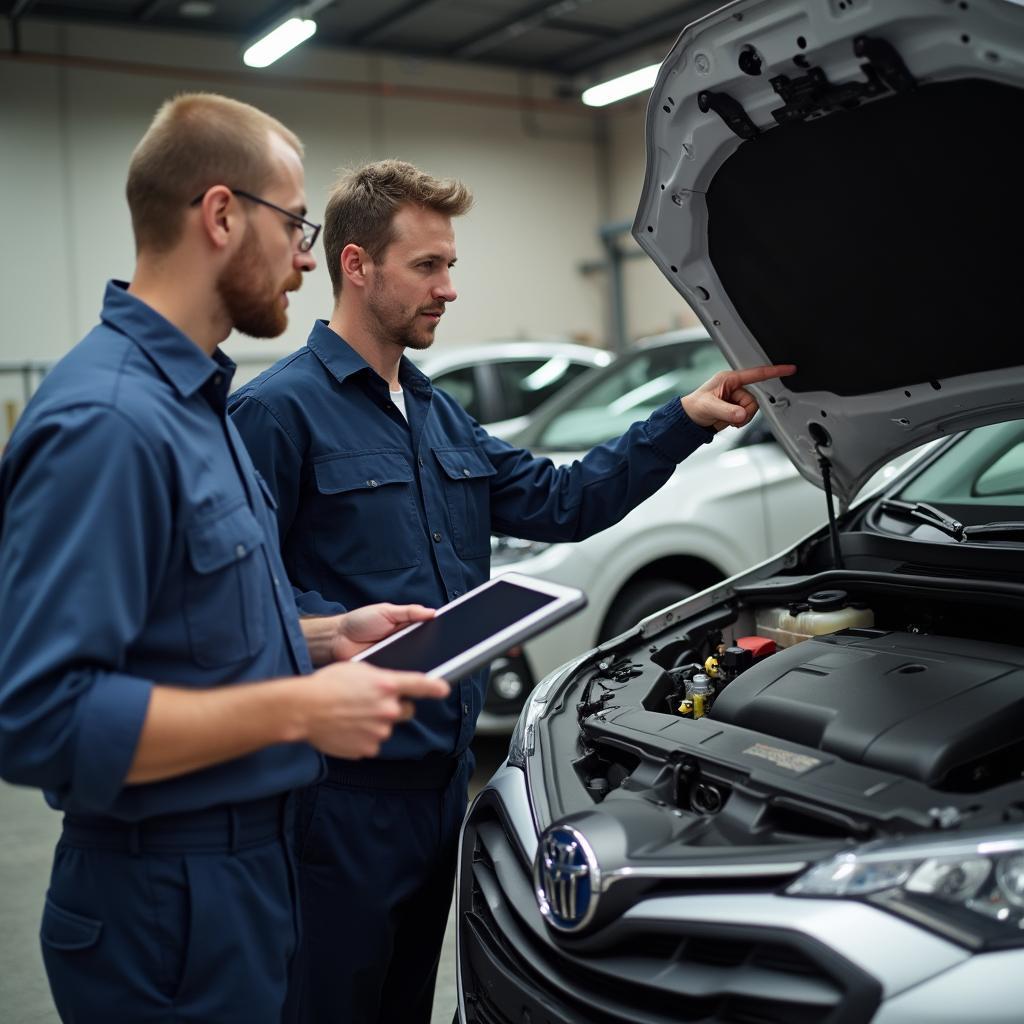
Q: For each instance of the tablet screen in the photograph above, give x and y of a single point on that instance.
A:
(467, 624)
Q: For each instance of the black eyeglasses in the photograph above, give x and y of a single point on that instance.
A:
(310, 231)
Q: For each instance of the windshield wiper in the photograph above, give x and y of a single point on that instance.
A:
(994, 531)
(953, 527)
(927, 514)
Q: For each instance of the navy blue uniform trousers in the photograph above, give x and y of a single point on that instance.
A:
(188, 918)
(380, 821)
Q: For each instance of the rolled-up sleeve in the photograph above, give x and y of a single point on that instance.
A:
(534, 499)
(86, 520)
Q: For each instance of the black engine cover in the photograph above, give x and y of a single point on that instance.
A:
(913, 704)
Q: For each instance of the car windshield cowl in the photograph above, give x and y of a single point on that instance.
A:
(932, 516)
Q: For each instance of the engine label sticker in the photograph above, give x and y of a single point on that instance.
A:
(787, 759)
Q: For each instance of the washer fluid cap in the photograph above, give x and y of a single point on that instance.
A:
(827, 600)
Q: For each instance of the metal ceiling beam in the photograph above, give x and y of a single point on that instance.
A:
(669, 24)
(535, 16)
(361, 35)
(147, 10)
(584, 28)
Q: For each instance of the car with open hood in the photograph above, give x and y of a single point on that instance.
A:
(797, 797)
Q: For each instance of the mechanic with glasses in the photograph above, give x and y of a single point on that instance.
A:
(154, 675)
(309, 231)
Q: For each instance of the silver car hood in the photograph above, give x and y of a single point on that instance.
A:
(837, 184)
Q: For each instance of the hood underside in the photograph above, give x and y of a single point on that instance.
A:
(837, 186)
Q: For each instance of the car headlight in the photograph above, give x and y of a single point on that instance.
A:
(524, 736)
(505, 550)
(970, 890)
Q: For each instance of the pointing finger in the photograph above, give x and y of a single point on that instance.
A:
(759, 373)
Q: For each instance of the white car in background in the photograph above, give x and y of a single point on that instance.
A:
(726, 507)
(500, 383)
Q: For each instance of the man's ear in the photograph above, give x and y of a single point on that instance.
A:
(355, 262)
(217, 215)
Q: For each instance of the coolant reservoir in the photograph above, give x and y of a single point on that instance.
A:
(825, 611)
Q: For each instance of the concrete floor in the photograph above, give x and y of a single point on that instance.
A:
(27, 837)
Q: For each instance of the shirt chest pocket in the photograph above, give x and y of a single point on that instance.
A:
(225, 588)
(466, 474)
(366, 518)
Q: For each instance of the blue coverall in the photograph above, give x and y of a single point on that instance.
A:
(374, 508)
(138, 546)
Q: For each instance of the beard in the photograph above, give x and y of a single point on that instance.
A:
(396, 325)
(250, 296)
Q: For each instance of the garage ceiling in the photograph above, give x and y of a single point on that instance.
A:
(567, 37)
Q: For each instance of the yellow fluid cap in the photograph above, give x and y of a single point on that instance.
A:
(711, 667)
(686, 707)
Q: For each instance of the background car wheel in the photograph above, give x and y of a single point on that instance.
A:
(640, 599)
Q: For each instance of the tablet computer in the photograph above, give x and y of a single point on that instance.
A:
(474, 629)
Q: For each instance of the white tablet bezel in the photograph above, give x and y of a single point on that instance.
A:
(566, 600)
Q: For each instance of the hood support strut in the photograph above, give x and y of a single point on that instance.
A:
(833, 529)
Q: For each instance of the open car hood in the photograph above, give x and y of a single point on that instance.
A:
(837, 184)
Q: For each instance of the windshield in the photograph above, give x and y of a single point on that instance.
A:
(985, 468)
(631, 391)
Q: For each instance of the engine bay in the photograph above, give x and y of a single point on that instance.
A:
(837, 706)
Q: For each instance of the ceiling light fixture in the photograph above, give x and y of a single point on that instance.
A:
(616, 89)
(284, 35)
(277, 42)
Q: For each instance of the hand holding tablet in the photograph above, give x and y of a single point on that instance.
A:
(473, 629)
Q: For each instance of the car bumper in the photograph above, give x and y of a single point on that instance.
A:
(699, 956)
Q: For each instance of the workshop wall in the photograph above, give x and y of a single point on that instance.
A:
(68, 132)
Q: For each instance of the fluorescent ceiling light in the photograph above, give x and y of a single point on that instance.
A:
(619, 88)
(279, 41)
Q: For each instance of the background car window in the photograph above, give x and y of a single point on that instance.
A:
(986, 467)
(1005, 476)
(525, 383)
(462, 385)
(631, 392)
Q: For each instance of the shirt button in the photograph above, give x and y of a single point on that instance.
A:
(240, 551)
(277, 582)
(465, 709)
(437, 537)
(371, 483)
(420, 460)
(456, 593)
(465, 472)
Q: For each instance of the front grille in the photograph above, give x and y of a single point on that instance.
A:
(633, 972)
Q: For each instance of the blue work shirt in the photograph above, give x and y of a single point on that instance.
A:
(374, 508)
(137, 546)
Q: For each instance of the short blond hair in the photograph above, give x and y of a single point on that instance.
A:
(196, 140)
(362, 204)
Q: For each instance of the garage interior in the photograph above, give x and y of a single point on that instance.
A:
(485, 90)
